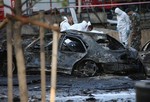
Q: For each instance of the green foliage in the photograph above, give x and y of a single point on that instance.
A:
(1, 3)
(64, 3)
(57, 0)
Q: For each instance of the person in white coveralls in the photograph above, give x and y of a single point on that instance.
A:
(66, 23)
(123, 26)
(83, 26)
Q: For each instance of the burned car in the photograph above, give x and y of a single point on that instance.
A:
(3, 55)
(144, 56)
(85, 54)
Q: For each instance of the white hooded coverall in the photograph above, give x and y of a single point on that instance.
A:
(64, 25)
(83, 26)
(123, 26)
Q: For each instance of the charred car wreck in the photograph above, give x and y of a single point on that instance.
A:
(3, 54)
(85, 54)
(144, 56)
(80, 53)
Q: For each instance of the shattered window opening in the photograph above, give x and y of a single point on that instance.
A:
(73, 45)
(110, 43)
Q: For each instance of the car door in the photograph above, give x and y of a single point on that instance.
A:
(71, 49)
(117, 50)
(32, 52)
(120, 58)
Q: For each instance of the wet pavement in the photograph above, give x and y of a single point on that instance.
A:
(70, 88)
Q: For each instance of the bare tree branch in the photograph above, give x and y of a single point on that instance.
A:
(13, 11)
(24, 2)
(36, 1)
(3, 23)
(31, 21)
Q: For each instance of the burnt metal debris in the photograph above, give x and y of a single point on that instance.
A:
(83, 54)
(144, 56)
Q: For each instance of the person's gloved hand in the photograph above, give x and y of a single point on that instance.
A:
(117, 29)
(128, 30)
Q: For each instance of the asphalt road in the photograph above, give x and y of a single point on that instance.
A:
(74, 88)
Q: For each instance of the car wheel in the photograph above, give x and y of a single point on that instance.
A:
(86, 68)
(3, 68)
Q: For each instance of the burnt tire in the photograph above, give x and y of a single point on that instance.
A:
(3, 68)
(86, 68)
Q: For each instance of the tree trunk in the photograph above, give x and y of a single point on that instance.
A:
(42, 56)
(19, 55)
(9, 62)
(54, 66)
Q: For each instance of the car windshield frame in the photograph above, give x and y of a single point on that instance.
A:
(75, 38)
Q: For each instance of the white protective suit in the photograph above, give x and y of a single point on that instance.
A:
(83, 26)
(64, 25)
(123, 26)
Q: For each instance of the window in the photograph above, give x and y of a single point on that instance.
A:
(110, 43)
(73, 45)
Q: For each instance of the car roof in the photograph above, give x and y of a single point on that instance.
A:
(94, 35)
(83, 32)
